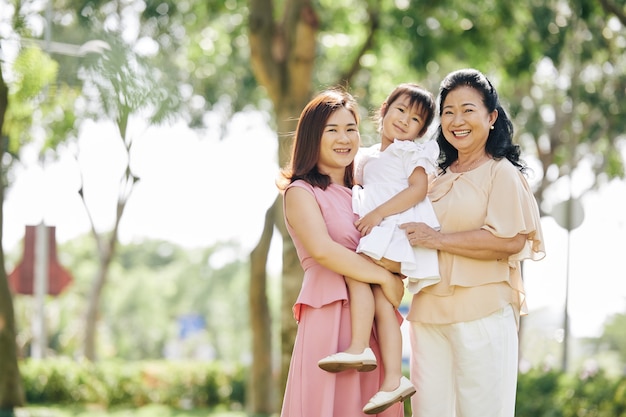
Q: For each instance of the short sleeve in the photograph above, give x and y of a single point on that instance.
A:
(512, 209)
(417, 155)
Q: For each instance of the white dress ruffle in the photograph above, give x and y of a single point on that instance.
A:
(382, 175)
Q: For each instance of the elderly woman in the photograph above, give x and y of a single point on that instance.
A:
(464, 330)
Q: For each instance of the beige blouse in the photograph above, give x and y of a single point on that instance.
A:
(496, 197)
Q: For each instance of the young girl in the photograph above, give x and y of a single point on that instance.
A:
(394, 178)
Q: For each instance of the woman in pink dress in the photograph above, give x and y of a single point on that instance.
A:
(319, 217)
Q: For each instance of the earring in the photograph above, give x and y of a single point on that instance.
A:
(491, 127)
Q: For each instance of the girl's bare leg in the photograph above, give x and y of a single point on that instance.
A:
(389, 339)
(362, 309)
(357, 356)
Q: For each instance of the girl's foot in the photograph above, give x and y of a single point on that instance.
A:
(342, 361)
(382, 400)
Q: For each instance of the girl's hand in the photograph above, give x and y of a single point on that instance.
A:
(366, 223)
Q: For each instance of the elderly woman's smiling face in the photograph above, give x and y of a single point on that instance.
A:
(465, 121)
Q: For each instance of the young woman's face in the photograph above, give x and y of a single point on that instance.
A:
(401, 121)
(339, 143)
(465, 121)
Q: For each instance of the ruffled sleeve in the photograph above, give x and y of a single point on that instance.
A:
(512, 209)
(417, 155)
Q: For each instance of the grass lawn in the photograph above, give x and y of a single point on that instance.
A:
(153, 410)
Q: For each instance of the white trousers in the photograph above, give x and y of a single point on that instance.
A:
(465, 369)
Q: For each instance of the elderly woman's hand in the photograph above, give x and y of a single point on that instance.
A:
(421, 234)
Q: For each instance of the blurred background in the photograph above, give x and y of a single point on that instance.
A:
(140, 221)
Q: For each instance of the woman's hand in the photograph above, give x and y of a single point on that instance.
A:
(421, 234)
(393, 288)
(389, 265)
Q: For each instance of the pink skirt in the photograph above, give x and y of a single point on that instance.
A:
(312, 392)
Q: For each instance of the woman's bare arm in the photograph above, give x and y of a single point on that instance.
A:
(477, 244)
(304, 216)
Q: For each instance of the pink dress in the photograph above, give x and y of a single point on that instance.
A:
(323, 316)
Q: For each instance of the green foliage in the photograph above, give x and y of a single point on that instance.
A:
(552, 394)
(546, 57)
(590, 395)
(150, 410)
(614, 335)
(535, 394)
(34, 70)
(33, 97)
(115, 383)
(205, 48)
(152, 284)
(193, 384)
(120, 82)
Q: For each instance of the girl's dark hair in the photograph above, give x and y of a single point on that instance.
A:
(306, 145)
(418, 96)
(500, 141)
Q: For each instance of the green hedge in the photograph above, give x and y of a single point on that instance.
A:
(173, 383)
(554, 394)
(209, 384)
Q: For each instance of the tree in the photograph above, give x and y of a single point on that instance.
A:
(32, 73)
(11, 394)
(119, 81)
(120, 84)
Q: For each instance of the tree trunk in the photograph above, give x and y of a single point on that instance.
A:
(11, 394)
(93, 307)
(282, 58)
(106, 246)
(260, 392)
(292, 271)
(282, 55)
(105, 255)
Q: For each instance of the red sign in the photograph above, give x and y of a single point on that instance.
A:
(22, 279)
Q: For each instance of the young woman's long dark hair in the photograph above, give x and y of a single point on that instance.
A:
(500, 141)
(306, 146)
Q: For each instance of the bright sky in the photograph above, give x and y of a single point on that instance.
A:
(193, 191)
(198, 191)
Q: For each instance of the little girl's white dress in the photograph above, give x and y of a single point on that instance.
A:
(382, 175)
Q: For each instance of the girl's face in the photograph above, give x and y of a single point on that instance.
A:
(401, 121)
(465, 121)
(339, 144)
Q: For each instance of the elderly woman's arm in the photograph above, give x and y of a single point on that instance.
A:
(477, 244)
